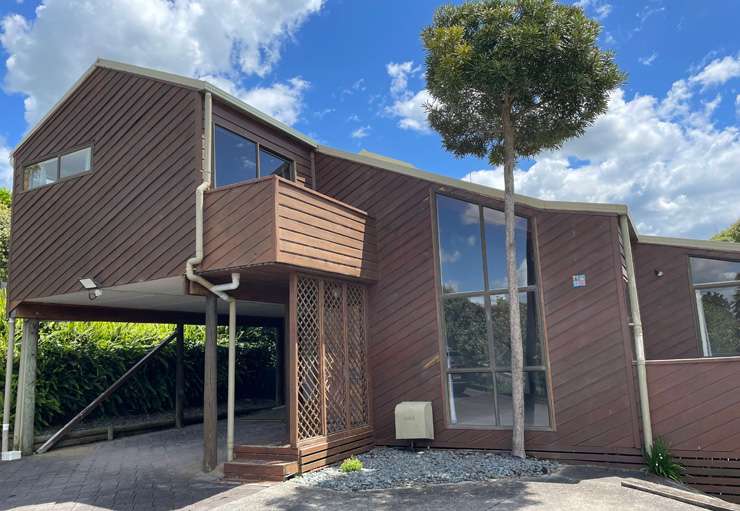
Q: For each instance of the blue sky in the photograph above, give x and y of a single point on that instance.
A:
(350, 74)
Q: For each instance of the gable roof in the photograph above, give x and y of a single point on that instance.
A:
(377, 160)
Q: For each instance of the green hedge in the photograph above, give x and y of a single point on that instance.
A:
(78, 361)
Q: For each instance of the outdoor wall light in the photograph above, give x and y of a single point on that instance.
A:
(658, 273)
(93, 289)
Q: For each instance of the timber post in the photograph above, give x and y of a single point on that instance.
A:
(210, 411)
(179, 375)
(25, 406)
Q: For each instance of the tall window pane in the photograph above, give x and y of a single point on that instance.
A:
(535, 399)
(235, 158)
(713, 270)
(40, 174)
(719, 314)
(495, 234)
(466, 332)
(502, 333)
(471, 398)
(459, 245)
(273, 164)
(76, 162)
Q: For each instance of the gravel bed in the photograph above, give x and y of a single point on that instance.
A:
(386, 467)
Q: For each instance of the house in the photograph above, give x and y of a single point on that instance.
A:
(182, 204)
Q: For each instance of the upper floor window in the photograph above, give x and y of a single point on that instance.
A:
(52, 170)
(475, 310)
(717, 289)
(238, 159)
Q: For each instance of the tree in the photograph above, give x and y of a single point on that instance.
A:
(4, 233)
(509, 79)
(732, 233)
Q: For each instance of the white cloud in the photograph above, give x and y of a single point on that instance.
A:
(225, 38)
(361, 132)
(407, 105)
(647, 61)
(667, 158)
(718, 72)
(6, 170)
(737, 105)
(601, 9)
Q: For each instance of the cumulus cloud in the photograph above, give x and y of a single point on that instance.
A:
(407, 105)
(216, 38)
(667, 158)
(600, 9)
(6, 171)
(647, 61)
(361, 132)
(718, 71)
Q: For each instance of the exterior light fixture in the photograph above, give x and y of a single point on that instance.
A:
(92, 287)
(658, 273)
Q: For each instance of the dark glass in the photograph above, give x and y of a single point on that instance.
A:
(461, 259)
(502, 332)
(495, 232)
(471, 398)
(536, 406)
(720, 308)
(272, 164)
(466, 332)
(713, 270)
(235, 158)
(42, 173)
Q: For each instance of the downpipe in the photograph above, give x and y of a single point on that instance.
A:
(217, 289)
(7, 454)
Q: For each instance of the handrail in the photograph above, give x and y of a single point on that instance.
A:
(102, 397)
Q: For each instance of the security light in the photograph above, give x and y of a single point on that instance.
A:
(92, 287)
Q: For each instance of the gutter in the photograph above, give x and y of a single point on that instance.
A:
(217, 289)
(636, 324)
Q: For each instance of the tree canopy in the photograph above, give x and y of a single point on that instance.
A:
(537, 58)
(732, 233)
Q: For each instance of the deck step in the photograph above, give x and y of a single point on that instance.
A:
(260, 470)
(266, 452)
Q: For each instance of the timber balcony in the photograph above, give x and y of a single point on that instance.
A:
(272, 221)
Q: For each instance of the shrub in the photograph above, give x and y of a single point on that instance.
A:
(661, 463)
(351, 464)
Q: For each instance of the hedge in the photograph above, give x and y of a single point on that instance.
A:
(78, 361)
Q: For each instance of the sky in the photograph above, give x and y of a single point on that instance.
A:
(350, 74)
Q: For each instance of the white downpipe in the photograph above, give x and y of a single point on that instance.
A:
(647, 428)
(216, 289)
(6, 454)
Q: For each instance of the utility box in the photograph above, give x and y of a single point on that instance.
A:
(414, 420)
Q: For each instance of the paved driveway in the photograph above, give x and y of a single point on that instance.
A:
(161, 470)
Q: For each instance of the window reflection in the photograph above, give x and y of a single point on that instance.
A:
(495, 232)
(459, 245)
(536, 409)
(466, 330)
(471, 398)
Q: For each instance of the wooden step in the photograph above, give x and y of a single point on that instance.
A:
(266, 452)
(260, 470)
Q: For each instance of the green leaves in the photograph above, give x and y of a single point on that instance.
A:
(538, 56)
(660, 461)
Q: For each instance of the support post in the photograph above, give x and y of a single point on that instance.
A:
(231, 382)
(8, 397)
(179, 375)
(210, 410)
(26, 400)
(647, 429)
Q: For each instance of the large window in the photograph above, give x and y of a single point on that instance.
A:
(53, 169)
(238, 159)
(475, 309)
(717, 289)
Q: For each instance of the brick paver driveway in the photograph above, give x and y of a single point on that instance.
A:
(154, 471)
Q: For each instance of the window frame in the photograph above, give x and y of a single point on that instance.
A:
(695, 291)
(241, 132)
(58, 157)
(487, 293)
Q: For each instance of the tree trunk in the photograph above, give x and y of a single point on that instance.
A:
(517, 362)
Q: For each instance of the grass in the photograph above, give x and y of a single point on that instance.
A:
(661, 463)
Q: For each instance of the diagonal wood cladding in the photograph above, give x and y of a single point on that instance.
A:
(130, 219)
(587, 335)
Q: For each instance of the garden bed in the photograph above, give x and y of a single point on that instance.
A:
(386, 467)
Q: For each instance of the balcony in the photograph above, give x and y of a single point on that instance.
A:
(272, 221)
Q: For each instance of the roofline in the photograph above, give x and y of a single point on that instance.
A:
(183, 81)
(725, 246)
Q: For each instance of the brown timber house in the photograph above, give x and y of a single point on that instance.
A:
(140, 191)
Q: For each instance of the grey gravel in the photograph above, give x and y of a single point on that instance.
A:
(386, 467)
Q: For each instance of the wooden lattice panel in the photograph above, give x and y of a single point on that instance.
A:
(310, 422)
(357, 357)
(334, 355)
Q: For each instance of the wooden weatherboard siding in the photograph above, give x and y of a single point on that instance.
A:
(267, 136)
(131, 218)
(667, 303)
(273, 220)
(586, 328)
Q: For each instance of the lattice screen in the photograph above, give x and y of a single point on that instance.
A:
(331, 321)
